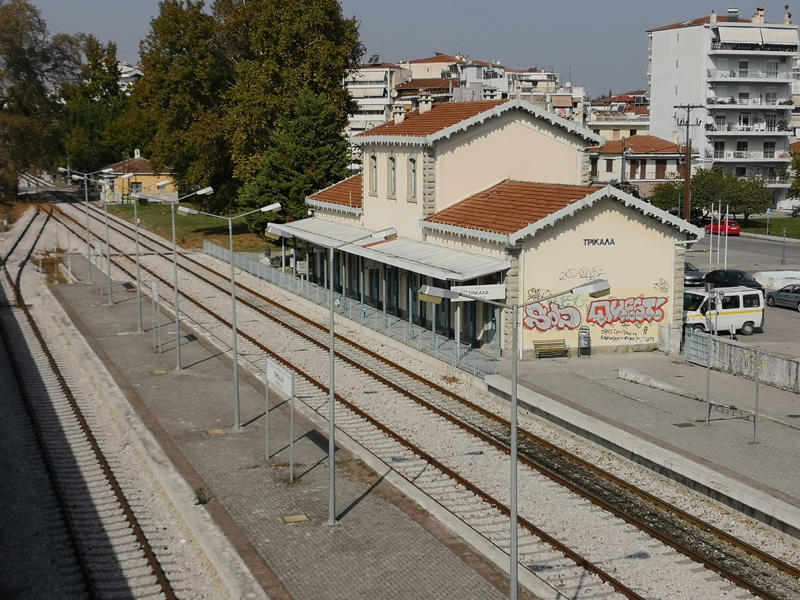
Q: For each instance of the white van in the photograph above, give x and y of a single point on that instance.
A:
(739, 308)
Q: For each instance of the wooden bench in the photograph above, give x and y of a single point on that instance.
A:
(551, 348)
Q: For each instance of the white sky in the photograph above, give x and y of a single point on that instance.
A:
(598, 44)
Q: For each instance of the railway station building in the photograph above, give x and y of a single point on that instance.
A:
(493, 199)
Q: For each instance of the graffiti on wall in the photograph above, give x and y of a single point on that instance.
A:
(626, 310)
(661, 286)
(585, 273)
(537, 294)
(545, 317)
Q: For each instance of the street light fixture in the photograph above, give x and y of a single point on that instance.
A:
(85, 178)
(135, 198)
(382, 235)
(596, 288)
(204, 192)
(271, 208)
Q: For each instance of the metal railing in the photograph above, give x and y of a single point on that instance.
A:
(471, 360)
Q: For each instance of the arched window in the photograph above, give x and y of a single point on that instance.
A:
(412, 178)
(373, 174)
(392, 176)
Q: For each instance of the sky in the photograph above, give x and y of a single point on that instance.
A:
(598, 44)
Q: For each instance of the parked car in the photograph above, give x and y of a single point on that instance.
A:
(692, 276)
(725, 227)
(732, 278)
(740, 309)
(788, 295)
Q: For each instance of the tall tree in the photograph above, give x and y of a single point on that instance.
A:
(181, 96)
(31, 66)
(753, 197)
(275, 49)
(306, 153)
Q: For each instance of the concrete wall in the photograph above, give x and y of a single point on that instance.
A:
(778, 370)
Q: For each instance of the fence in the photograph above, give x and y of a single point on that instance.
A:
(738, 359)
(461, 356)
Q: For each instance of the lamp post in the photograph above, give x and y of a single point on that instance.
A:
(594, 288)
(85, 178)
(384, 234)
(205, 191)
(271, 208)
(135, 198)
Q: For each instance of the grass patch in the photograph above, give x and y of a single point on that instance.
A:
(776, 226)
(191, 230)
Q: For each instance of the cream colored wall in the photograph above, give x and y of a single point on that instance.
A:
(149, 187)
(636, 257)
(339, 217)
(401, 212)
(513, 146)
(490, 249)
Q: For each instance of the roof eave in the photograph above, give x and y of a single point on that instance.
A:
(335, 207)
(478, 234)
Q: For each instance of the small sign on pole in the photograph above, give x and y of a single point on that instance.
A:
(283, 381)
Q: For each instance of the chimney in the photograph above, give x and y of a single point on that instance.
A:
(733, 15)
(713, 18)
(425, 102)
(759, 16)
(136, 153)
(398, 114)
(787, 20)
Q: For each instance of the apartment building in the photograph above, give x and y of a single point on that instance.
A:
(728, 81)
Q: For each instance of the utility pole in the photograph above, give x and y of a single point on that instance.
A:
(687, 161)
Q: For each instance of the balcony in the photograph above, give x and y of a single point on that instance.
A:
(767, 75)
(782, 128)
(747, 48)
(749, 155)
(733, 102)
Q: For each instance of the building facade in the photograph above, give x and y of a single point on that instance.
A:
(728, 81)
(496, 194)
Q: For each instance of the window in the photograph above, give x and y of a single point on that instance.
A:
(719, 149)
(743, 68)
(392, 189)
(745, 119)
(741, 171)
(136, 186)
(751, 300)
(609, 165)
(412, 178)
(769, 149)
(744, 97)
(632, 132)
(593, 172)
(771, 98)
(661, 168)
(730, 302)
(373, 174)
(772, 69)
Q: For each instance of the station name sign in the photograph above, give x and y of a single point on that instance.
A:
(599, 242)
(480, 292)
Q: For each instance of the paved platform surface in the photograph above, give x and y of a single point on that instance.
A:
(669, 431)
(384, 546)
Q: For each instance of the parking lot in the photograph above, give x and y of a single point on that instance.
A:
(756, 254)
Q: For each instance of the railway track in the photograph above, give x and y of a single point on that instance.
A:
(747, 567)
(93, 515)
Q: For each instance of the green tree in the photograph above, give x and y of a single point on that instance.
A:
(794, 189)
(753, 197)
(306, 153)
(31, 66)
(714, 186)
(668, 196)
(276, 48)
(180, 97)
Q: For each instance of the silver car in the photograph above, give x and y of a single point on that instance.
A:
(788, 295)
(692, 276)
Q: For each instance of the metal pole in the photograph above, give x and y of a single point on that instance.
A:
(783, 254)
(758, 383)
(138, 275)
(331, 415)
(175, 276)
(711, 241)
(727, 219)
(513, 504)
(236, 420)
(108, 254)
(708, 382)
(291, 435)
(266, 412)
(88, 233)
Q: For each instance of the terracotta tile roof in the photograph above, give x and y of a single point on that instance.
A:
(694, 22)
(639, 144)
(436, 58)
(639, 110)
(132, 165)
(430, 84)
(795, 146)
(439, 117)
(346, 193)
(510, 206)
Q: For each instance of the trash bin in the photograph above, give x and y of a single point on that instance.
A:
(584, 341)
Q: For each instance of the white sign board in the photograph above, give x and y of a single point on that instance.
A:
(301, 267)
(482, 292)
(280, 378)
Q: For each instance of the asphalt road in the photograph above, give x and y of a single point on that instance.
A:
(753, 254)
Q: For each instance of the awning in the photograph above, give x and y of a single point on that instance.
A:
(780, 36)
(424, 258)
(561, 101)
(741, 35)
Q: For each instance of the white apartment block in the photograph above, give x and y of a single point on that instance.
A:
(738, 74)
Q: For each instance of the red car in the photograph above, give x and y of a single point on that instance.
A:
(726, 227)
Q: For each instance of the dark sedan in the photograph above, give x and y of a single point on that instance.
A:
(732, 278)
(692, 276)
(788, 295)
